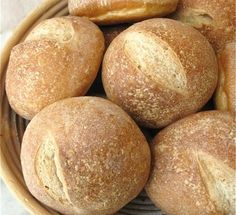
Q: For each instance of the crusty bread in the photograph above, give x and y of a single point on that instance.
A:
(215, 19)
(194, 166)
(111, 32)
(121, 11)
(60, 58)
(84, 155)
(159, 70)
(226, 91)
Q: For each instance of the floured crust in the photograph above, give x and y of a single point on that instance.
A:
(194, 166)
(215, 19)
(120, 11)
(61, 30)
(226, 90)
(97, 159)
(154, 72)
(58, 53)
(150, 54)
(219, 179)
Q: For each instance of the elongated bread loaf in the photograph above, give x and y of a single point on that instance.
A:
(121, 11)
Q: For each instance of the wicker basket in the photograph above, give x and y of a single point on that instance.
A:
(13, 126)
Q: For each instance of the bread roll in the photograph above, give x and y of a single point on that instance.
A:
(226, 90)
(159, 70)
(120, 11)
(60, 58)
(194, 169)
(111, 32)
(84, 156)
(215, 19)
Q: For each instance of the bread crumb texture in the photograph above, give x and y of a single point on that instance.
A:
(194, 167)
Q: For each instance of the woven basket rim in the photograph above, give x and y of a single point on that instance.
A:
(6, 173)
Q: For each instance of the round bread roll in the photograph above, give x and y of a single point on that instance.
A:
(194, 169)
(121, 11)
(84, 156)
(159, 70)
(226, 90)
(60, 58)
(215, 19)
(111, 32)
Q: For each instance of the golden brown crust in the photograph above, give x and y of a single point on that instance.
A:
(154, 72)
(121, 11)
(59, 59)
(226, 90)
(215, 19)
(99, 157)
(194, 166)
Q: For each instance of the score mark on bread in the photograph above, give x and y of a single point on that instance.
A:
(155, 58)
(196, 18)
(47, 166)
(219, 180)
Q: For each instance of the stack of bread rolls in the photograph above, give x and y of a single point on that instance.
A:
(87, 155)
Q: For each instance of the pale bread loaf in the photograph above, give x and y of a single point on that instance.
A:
(121, 11)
